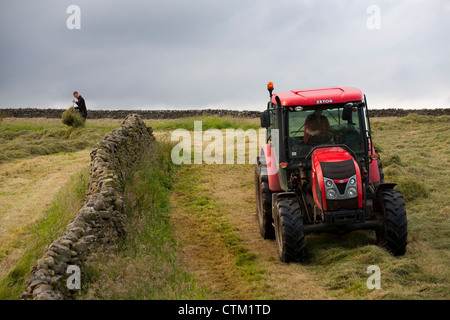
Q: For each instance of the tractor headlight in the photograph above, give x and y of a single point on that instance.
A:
(328, 183)
(352, 181)
(331, 194)
(351, 192)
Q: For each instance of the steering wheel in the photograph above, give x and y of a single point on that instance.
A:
(321, 138)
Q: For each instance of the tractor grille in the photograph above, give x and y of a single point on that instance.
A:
(338, 170)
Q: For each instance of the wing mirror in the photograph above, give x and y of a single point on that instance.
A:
(265, 119)
(347, 112)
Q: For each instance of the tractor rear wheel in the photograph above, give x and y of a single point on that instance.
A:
(289, 233)
(392, 228)
(263, 205)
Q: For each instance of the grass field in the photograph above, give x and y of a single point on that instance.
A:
(43, 177)
(214, 214)
(201, 241)
(24, 246)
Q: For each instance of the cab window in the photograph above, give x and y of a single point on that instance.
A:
(339, 131)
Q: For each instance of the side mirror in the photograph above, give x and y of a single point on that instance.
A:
(347, 112)
(265, 119)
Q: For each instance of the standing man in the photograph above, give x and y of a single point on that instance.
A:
(81, 105)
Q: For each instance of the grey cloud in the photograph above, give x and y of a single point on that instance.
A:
(199, 54)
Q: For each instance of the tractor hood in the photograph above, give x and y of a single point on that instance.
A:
(336, 179)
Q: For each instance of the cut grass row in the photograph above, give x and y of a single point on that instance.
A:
(22, 138)
(23, 141)
(35, 240)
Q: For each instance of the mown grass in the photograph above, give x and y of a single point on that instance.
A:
(147, 264)
(412, 153)
(63, 209)
(413, 150)
(195, 197)
(420, 145)
(24, 140)
(207, 123)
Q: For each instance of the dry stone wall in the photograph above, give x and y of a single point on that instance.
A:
(120, 114)
(101, 222)
(173, 114)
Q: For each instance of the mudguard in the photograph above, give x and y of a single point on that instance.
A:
(385, 186)
(374, 171)
(271, 167)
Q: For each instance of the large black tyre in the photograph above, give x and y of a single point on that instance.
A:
(289, 233)
(263, 205)
(392, 228)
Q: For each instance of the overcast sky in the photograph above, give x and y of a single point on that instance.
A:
(220, 54)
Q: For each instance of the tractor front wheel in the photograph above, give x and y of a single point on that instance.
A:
(289, 230)
(392, 228)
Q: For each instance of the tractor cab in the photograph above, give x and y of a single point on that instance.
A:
(319, 163)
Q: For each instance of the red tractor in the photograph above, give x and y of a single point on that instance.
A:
(319, 172)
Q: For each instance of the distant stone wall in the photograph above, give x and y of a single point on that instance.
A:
(120, 114)
(404, 112)
(101, 222)
(173, 114)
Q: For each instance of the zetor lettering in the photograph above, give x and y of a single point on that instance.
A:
(324, 101)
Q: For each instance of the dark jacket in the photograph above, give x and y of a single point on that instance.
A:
(81, 106)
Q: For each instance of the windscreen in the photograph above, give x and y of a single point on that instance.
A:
(310, 128)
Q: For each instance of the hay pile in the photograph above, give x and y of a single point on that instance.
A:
(72, 118)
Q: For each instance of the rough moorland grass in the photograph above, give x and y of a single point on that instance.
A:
(64, 207)
(146, 265)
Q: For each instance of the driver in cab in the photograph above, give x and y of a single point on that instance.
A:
(317, 129)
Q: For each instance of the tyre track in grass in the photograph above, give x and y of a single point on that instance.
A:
(215, 219)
